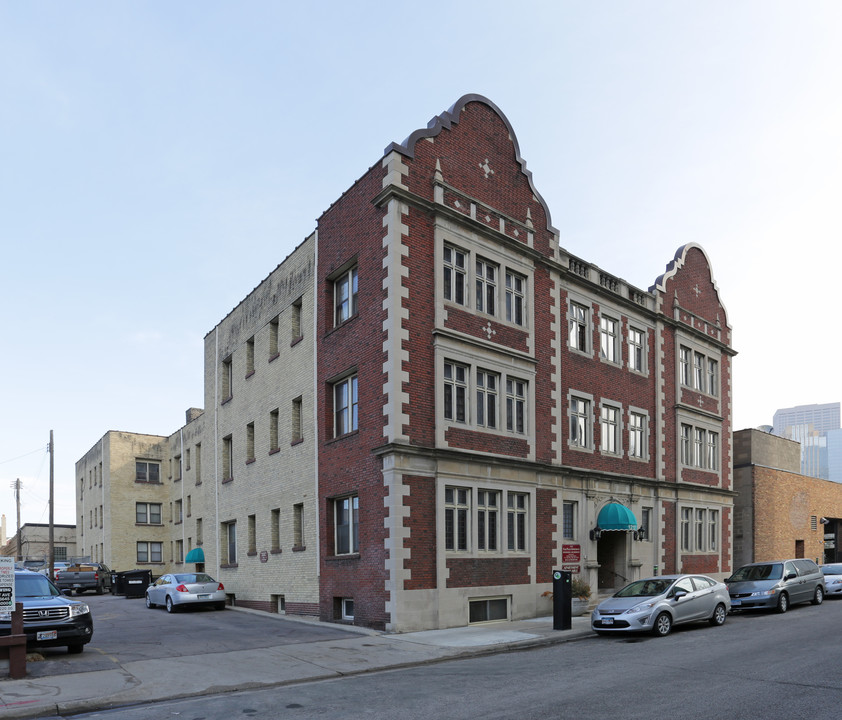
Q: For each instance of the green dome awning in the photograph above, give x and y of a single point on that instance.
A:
(615, 516)
(196, 555)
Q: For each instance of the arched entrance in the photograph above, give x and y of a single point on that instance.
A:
(614, 524)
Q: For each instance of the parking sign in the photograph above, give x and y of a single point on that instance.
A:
(7, 583)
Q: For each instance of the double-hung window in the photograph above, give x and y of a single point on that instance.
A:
(580, 422)
(515, 405)
(713, 377)
(488, 503)
(346, 524)
(456, 518)
(515, 298)
(147, 472)
(148, 513)
(608, 339)
(487, 398)
(712, 459)
(637, 435)
(579, 321)
(684, 365)
(455, 392)
(345, 406)
(345, 296)
(229, 540)
(454, 275)
(150, 552)
(486, 284)
(637, 350)
(610, 429)
(516, 520)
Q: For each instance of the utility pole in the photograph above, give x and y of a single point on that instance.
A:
(52, 529)
(16, 486)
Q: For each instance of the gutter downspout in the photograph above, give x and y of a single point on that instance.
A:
(216, 444)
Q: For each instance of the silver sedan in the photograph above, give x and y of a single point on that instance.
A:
(656, 604)
(178, 590)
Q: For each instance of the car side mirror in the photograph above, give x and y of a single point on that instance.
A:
(678, 595)
(790, 576)
(67, 591)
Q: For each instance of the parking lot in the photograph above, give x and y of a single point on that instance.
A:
(126, 630)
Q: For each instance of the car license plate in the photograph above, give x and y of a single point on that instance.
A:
(47, 635)
(203, 597)
(607, 621)
(735, 602)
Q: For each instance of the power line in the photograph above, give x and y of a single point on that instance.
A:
(41, 449)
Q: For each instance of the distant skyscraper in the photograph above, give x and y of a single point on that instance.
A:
(810, 425)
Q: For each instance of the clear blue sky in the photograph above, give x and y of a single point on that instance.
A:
(158, 160)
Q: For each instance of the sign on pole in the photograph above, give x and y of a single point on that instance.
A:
(7, 584)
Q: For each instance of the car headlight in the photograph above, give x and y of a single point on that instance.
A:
(641, 607)
(80, 609)
(838, 581)
(761, 593)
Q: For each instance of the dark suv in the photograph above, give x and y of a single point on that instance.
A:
(50, 619)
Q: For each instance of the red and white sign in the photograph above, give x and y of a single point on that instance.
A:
(571, 554)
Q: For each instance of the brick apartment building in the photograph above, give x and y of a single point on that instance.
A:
(487, 406)
(779, 512)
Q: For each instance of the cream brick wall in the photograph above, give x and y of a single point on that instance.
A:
(107, 493)
(273, 480)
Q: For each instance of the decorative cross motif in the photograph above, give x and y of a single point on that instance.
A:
(486, 168)
(701, 402)
(488, 330)
(696, 290)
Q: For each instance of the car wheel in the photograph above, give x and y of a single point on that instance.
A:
(75, 649)
(79, 591)
(149, 602)
(783, 603)
(719, 615)
(170, 606)
(818, 598)
(663, 625)
(99, 591)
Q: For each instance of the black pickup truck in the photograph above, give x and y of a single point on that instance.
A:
(85, 576)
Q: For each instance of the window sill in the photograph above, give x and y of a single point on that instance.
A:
(251, 553)
(343, 437)
(228, 566)
(274, 357)
(227, 400)
(274, 451)
(250, 461)
(227, 480)
(296, 341)
(297, 441)
(249, 374)
(339, 558)
(275, 551)
(301, 548)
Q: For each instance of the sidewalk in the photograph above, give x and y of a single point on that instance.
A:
(362, 651)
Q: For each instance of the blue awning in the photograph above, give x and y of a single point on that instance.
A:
(615, 516)
(196, 555)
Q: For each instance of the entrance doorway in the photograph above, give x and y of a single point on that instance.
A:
(611, 556)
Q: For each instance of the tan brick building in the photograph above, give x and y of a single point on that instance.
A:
(237, 480)
(780, 513)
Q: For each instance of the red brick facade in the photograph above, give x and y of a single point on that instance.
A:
(422, 439)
